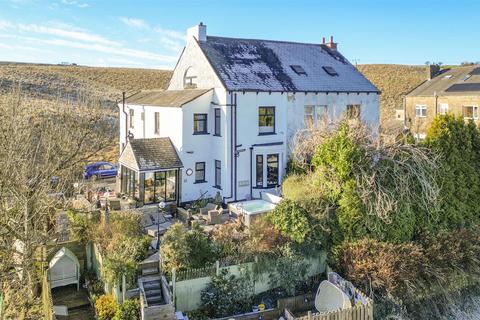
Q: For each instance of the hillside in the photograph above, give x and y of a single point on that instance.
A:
(394, 81)
(70, 82)
(107, 84)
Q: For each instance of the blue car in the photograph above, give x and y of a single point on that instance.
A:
(100, 170)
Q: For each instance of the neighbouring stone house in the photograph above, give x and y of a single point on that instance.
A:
(232, 106)
(455, 90)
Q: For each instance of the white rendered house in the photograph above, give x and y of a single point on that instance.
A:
(225, 121)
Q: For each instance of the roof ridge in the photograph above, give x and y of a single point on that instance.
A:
(268, 40)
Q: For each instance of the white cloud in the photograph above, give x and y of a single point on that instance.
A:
(135, 23)
(120, 51)
(171, 33)
(70, 34)
(76, 3)
(5, 25)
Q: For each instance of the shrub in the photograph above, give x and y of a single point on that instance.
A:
(174, 248)
(292, 220)
(289, 269)
(458, 143)
(128, 310)
(227, 295)
(200, 249)
(106, 307)
(404, 274)
(182, 249)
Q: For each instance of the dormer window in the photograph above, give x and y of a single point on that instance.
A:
(190, 79)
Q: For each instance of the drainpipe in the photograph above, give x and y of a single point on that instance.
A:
(231, 148)
(436, 102)
(251, 172)
(235, 142)
(126, 118)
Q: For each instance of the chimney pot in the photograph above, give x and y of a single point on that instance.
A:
(198, 32)
(332, 45)
(432, 71)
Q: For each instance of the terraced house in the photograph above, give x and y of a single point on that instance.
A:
(224, 124)
(455, 90)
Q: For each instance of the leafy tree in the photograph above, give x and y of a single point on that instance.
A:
(106, 307)
(458, 143)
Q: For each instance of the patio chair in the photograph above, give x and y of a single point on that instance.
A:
(216, 216)
(208, 207)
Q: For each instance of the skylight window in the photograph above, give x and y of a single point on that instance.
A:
(330, 71)
(298, 69)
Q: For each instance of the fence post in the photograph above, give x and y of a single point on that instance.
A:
(309, 315)
(217, 268)
(124, 287)
(174, 280)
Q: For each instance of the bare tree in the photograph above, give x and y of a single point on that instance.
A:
(393, 168)
(43, 146)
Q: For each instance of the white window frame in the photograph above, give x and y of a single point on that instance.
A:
(420, 111)
(314, 113)
(156, 122)
(474, 112)
(309, 115)
(443, 108)
(353, 111)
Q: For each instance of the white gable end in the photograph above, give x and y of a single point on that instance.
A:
(193, 63)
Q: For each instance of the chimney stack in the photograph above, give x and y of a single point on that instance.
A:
(198, 32)
(332, 45)
(432, 71)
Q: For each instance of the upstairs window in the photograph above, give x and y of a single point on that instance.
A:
(353, 111)
(313, 115)
(217, 121)
(157, 122)
(200, 123)
(132, 118)
(308, 115)
(190, 79)
(266, 120)
(443, 109)
(420, 111)
(470, 112)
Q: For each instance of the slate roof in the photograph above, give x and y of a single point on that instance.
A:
(265, 65)
(155, 154)
(165, 98)
(458, 81)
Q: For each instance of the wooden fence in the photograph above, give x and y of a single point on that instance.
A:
(357, 312)
(188, 274)
(47, 301)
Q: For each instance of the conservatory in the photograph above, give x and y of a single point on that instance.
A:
(149, 170)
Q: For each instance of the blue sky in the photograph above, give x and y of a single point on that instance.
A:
(152, 33)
